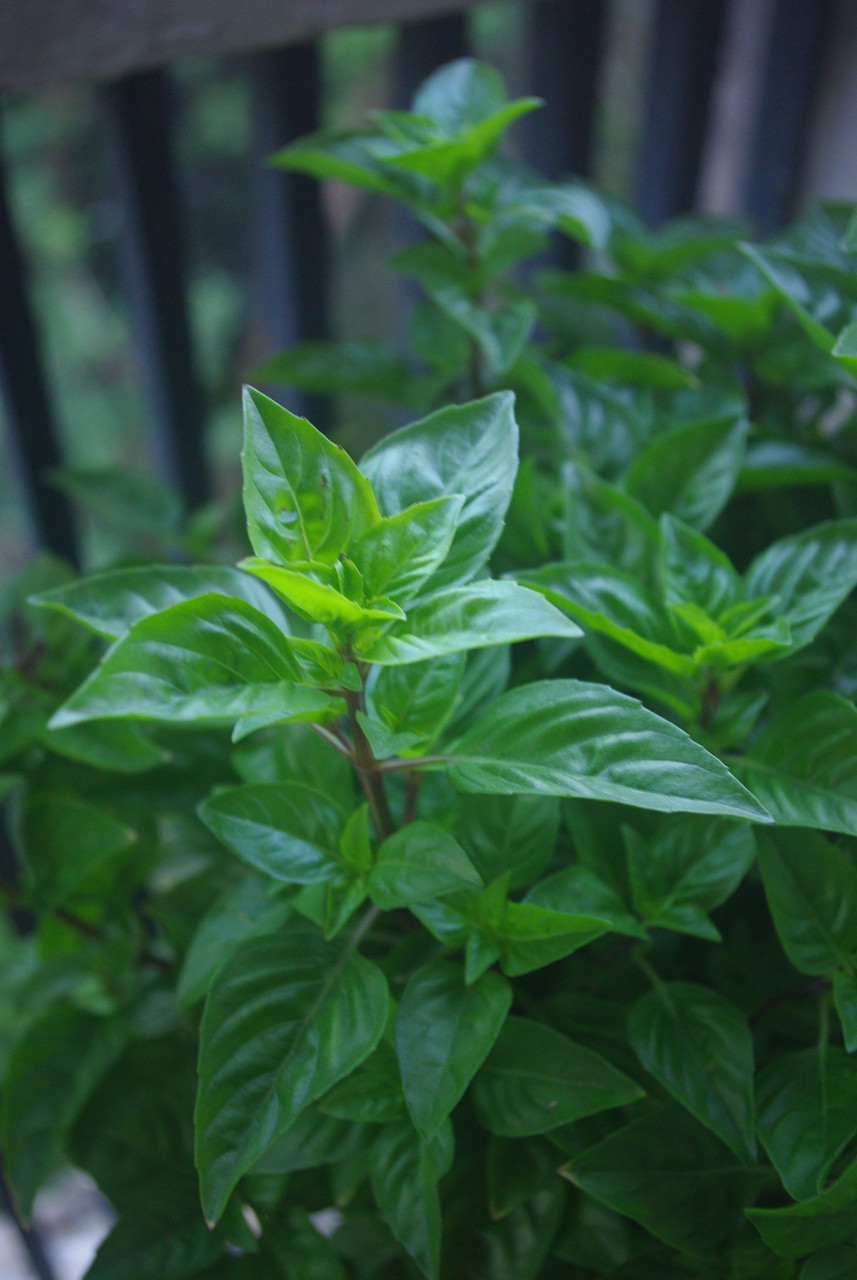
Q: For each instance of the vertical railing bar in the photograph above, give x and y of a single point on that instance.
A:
(685, 46)
(293, 242)
(565, 43)
(798, 34)
(136, 111)
(34, 439)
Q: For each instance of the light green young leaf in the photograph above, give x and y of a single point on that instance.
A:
(530, 937)
(303, 496)
(569, 738)
(807, 576)
(417, 863)
(400, 553)
(405, 1174)
(807, 1113)
(803, 766)
(320, 601)
(206, 660)
(699, 1047)
(477, 616)
(444, 1031)
(110, 603)
(691, 470)
(811, 887)
(535, 1080)
(616, 605)
(286, 830)
(285, 1019)
(53, 1071)
(469, 449)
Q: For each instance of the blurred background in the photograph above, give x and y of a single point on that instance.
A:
(148, 261)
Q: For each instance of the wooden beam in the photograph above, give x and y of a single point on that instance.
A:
(51, 41)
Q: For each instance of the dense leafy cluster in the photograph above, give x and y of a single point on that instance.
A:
(465, 885)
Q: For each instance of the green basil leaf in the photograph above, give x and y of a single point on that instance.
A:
(405, 1174)
(372, 1094)
(206, 660)
(672, 1176)
(811, 887)
(691, 470)
(320, 601)
(473, 617)
(285, 1019)
(568, 738)
(399, 554)
(110, 603)
(418, 698)
(114, 745)
(775, 464)
(417, 863)
(535, 1080)
(845, 999)
(807, 1114)
(807, 576)
(64, 840)
(699, 1047)
(286, 830)
(686, 869)
(53, 1071)
(602, 523)
(615, 604)
(694, 571)
(518, 1246)
(303, 496)
(514, 834)
(444, 1031)
(162, 1238)
(530, 937)
(579, 889)
(242, 911)
(471, 450)
(803, 766)
(827, 1219)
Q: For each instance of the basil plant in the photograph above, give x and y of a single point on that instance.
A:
(464, 885)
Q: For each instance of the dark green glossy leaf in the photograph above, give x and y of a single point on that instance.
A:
(699, 1047)
(285, 1019)
(808, 576)
(444, 1031)
(509, 834)
(686, 869)
(52, 1073)
(672, 1176)
(477, 616)
(691, 470)
(579, 889)
(110, 603)
(845, 999)
(803, 767)
(64, 840)
(565, 737)
(827, 1219)
(206, 660)
(420, 862)
(535, 1080)
(286, 830)
(405, 1174)
(807, 1113)
(811, 887)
